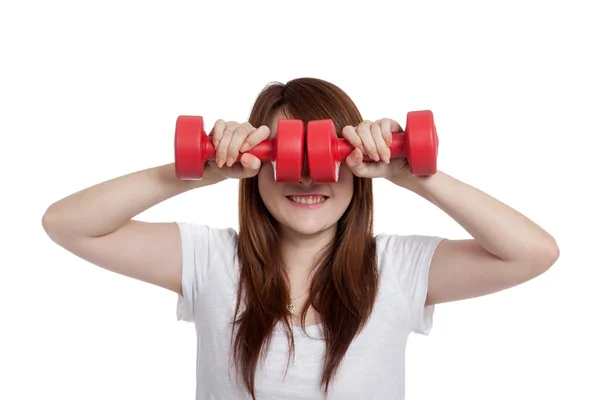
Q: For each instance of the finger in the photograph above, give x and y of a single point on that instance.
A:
(349, 133)
(255, 137)
(212, 166)
(237, 139)
(248, 166)
(364, 132)
(395, 126)
(382, 149)
(221, 153)
(217, 132)
(355, 162)
(386, 130)
(366, 169)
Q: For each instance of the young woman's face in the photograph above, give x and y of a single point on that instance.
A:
(304, 207)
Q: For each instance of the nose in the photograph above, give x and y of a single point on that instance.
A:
(305, 177)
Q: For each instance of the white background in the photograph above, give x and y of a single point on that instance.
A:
(91, 90)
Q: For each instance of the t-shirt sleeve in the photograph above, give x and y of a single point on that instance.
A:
(415, 253)
(199, 246)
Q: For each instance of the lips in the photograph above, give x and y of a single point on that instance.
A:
(309, 199)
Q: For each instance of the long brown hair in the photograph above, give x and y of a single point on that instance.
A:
(345, 280)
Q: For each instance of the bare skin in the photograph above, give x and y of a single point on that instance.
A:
(97, 224)
(506, 248)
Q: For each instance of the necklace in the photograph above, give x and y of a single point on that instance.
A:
(291, 307)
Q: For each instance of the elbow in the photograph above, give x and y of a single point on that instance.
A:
(51, 223)
(555, 251)
(551, 252)
(546, 256)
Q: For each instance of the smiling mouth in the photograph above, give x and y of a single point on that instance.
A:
(311, 199)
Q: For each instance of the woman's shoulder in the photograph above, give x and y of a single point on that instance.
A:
(407, 245)
(205, 234)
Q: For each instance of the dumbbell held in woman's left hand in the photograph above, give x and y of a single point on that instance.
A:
(418, 144)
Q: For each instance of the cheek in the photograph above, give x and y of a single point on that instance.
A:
(344, 187)
(346, 177)
(267, 187)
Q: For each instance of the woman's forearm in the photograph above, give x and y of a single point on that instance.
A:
(498, 228)
(103, 208)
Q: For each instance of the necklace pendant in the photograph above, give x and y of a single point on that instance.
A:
(291, 308)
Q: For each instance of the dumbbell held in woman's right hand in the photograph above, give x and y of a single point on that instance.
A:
(193, 147)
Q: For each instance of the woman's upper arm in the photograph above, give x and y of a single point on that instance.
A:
(462, 269)
(149, 252)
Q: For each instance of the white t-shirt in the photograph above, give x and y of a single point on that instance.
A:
(373, 367)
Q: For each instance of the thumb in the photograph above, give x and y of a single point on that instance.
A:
(251, 165)
(356, 164)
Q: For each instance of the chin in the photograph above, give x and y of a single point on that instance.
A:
(306, 219)
(305, 228)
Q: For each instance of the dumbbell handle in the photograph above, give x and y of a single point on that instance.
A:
(263, 151)
(342, 148)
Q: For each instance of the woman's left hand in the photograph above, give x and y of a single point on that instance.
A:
(374, 139)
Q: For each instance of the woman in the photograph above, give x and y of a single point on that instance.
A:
(305, 300)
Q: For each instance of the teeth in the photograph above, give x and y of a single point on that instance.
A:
(307, 199)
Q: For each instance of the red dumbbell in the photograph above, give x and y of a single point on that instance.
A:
(193, 148)
(418, 144)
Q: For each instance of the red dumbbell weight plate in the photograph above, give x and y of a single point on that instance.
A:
(421, 142)
(189, 147)
(289, 150)
(321, 137)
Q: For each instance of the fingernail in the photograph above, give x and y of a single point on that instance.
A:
(245, 147)
(230, 161)
(219, 162)
(388, 141)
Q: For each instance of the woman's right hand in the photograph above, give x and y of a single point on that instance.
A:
(230, 139)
